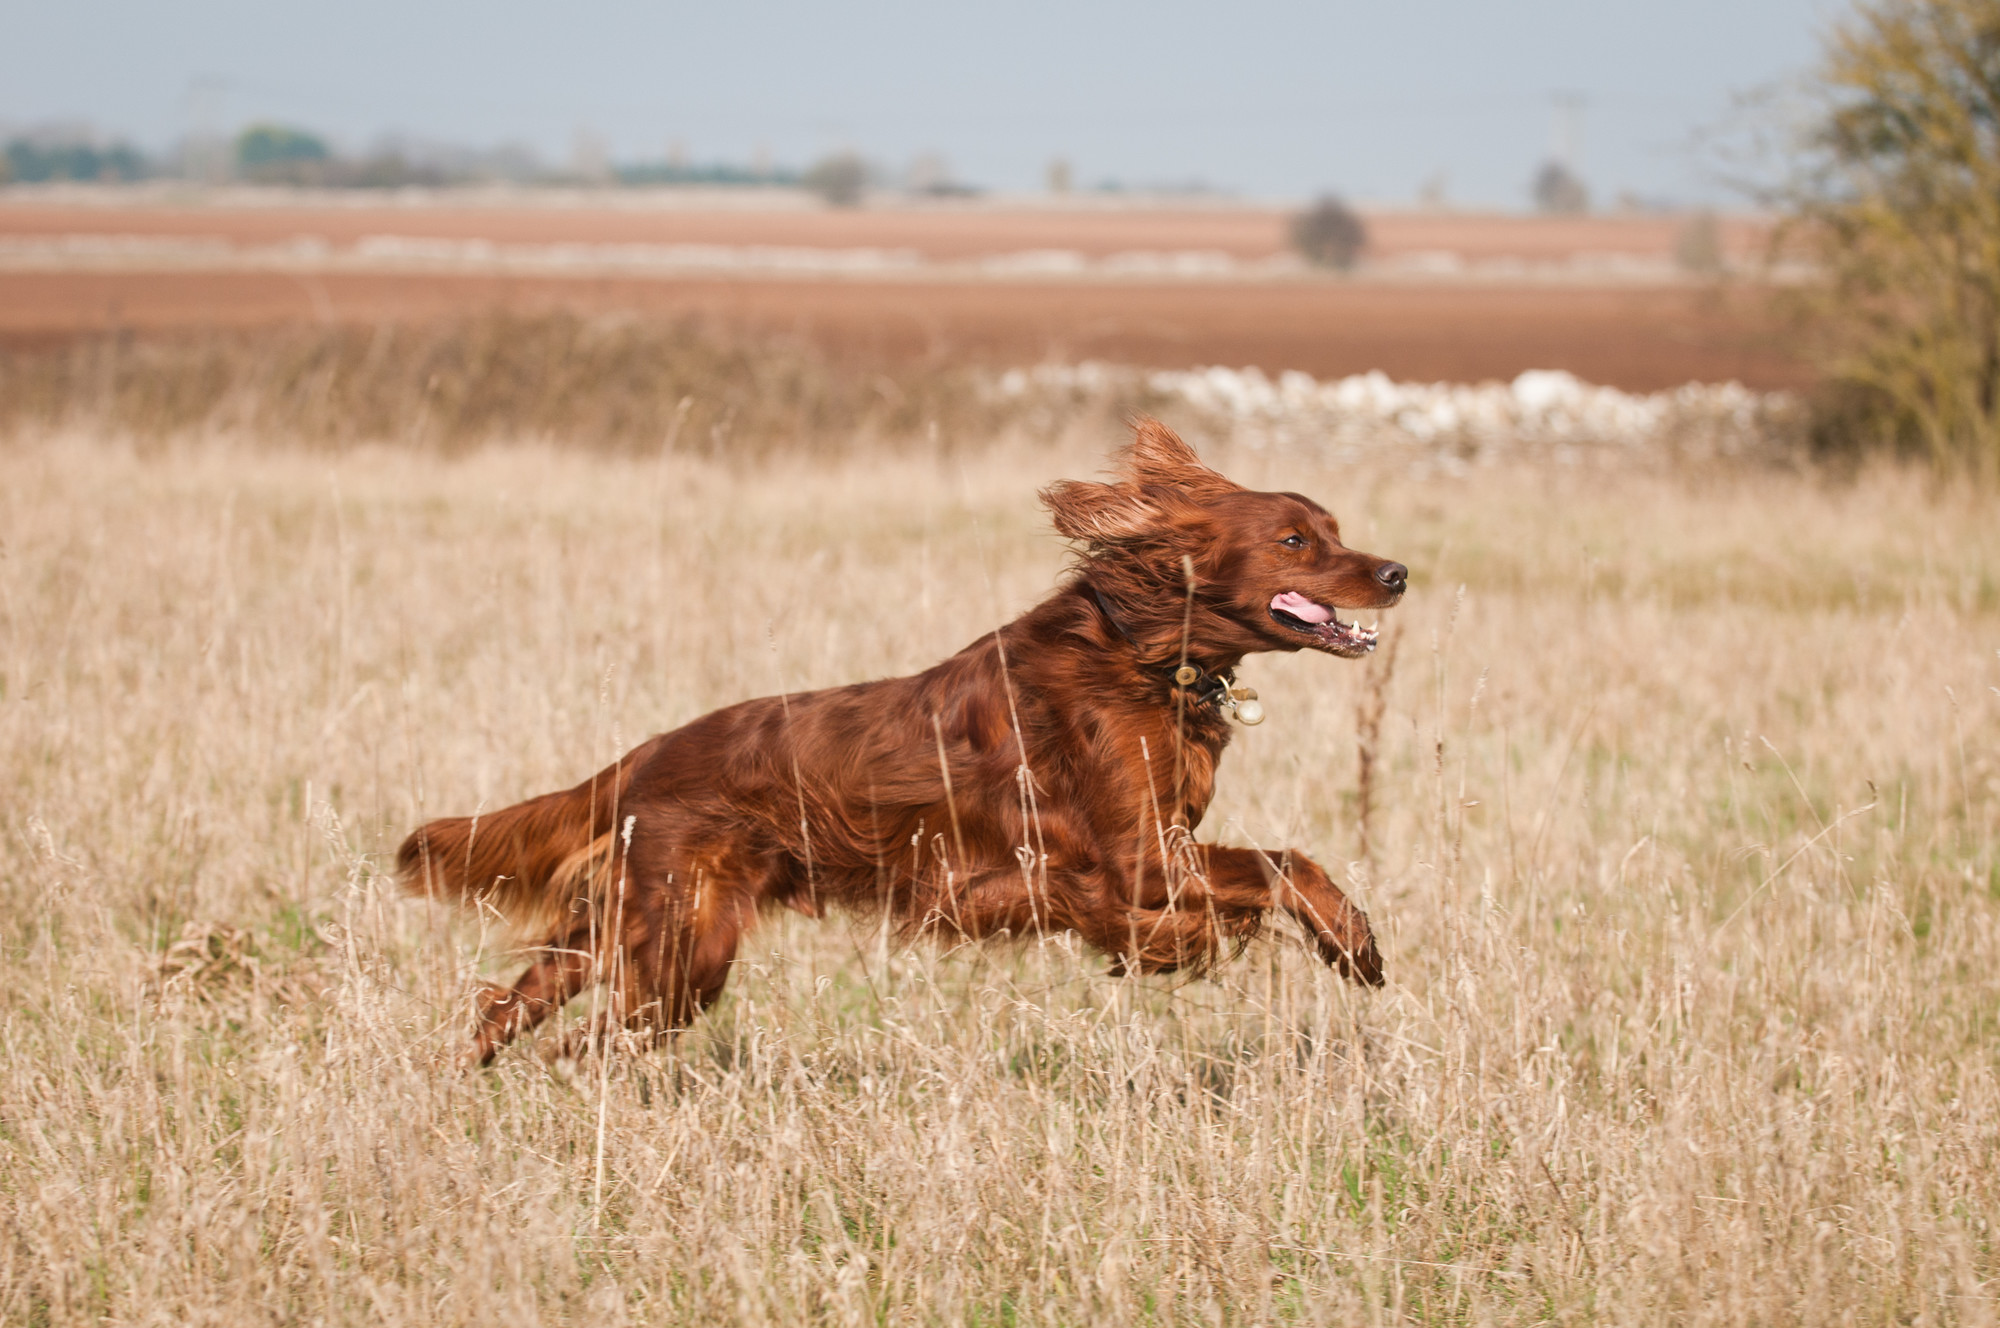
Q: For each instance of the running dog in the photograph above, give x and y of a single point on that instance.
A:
(1046, 778)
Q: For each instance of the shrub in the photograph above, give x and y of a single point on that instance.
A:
(839, 180)
(1330, 234)
(276, 154)
(1558, 190)
(1899, 205)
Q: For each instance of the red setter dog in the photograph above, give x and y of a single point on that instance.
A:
(1048, 777)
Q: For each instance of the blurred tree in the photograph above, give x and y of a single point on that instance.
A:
(280, 154)
(1558, 190)
(1899, 205)
(839, 179)
(1330, 234)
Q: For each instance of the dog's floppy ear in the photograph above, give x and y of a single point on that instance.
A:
(1100, 514)
(1158, 456)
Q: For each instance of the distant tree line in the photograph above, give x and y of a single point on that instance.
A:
(272, 153)
(34, 159)
(711, 173)
(280, 154)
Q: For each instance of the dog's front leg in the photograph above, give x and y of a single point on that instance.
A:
(1301, 887)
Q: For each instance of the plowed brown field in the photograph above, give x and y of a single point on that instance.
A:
(1629, 334)
(938, 232)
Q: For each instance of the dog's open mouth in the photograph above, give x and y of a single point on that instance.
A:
(1316, 620)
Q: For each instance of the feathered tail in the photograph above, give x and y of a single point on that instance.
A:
(532, 862)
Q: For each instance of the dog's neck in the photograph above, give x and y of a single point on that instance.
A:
(1204, 685)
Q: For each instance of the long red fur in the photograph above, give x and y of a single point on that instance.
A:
(1046, 778)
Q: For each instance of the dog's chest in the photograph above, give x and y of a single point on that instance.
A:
(1197, 786)
(1154, 762)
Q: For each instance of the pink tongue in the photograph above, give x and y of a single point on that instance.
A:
(1300, 607)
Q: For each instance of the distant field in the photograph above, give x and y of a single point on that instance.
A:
(939, 232)
(1451, 297)
(1638, 339)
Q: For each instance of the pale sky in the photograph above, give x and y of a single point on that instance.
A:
(1273, 98)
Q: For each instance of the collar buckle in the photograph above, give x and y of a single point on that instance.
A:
(1220, 690)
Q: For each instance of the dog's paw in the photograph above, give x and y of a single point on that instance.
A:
(1357, 959)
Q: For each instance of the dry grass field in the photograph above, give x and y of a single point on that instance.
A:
(1681, 819)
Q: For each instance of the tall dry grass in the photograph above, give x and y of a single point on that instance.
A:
(1682, 809)
(618, 383)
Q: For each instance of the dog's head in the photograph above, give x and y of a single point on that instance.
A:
(1269, 570)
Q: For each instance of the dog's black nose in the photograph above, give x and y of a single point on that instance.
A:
(1394, 575)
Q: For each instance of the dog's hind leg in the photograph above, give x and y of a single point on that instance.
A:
(674, 957)
(657, 989)
(504, 1013)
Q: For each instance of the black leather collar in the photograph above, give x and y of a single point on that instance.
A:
(1203, 688)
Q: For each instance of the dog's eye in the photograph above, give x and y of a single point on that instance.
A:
(1293, 541)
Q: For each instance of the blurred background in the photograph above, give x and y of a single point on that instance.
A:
(1498, 187)
(860, 217)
